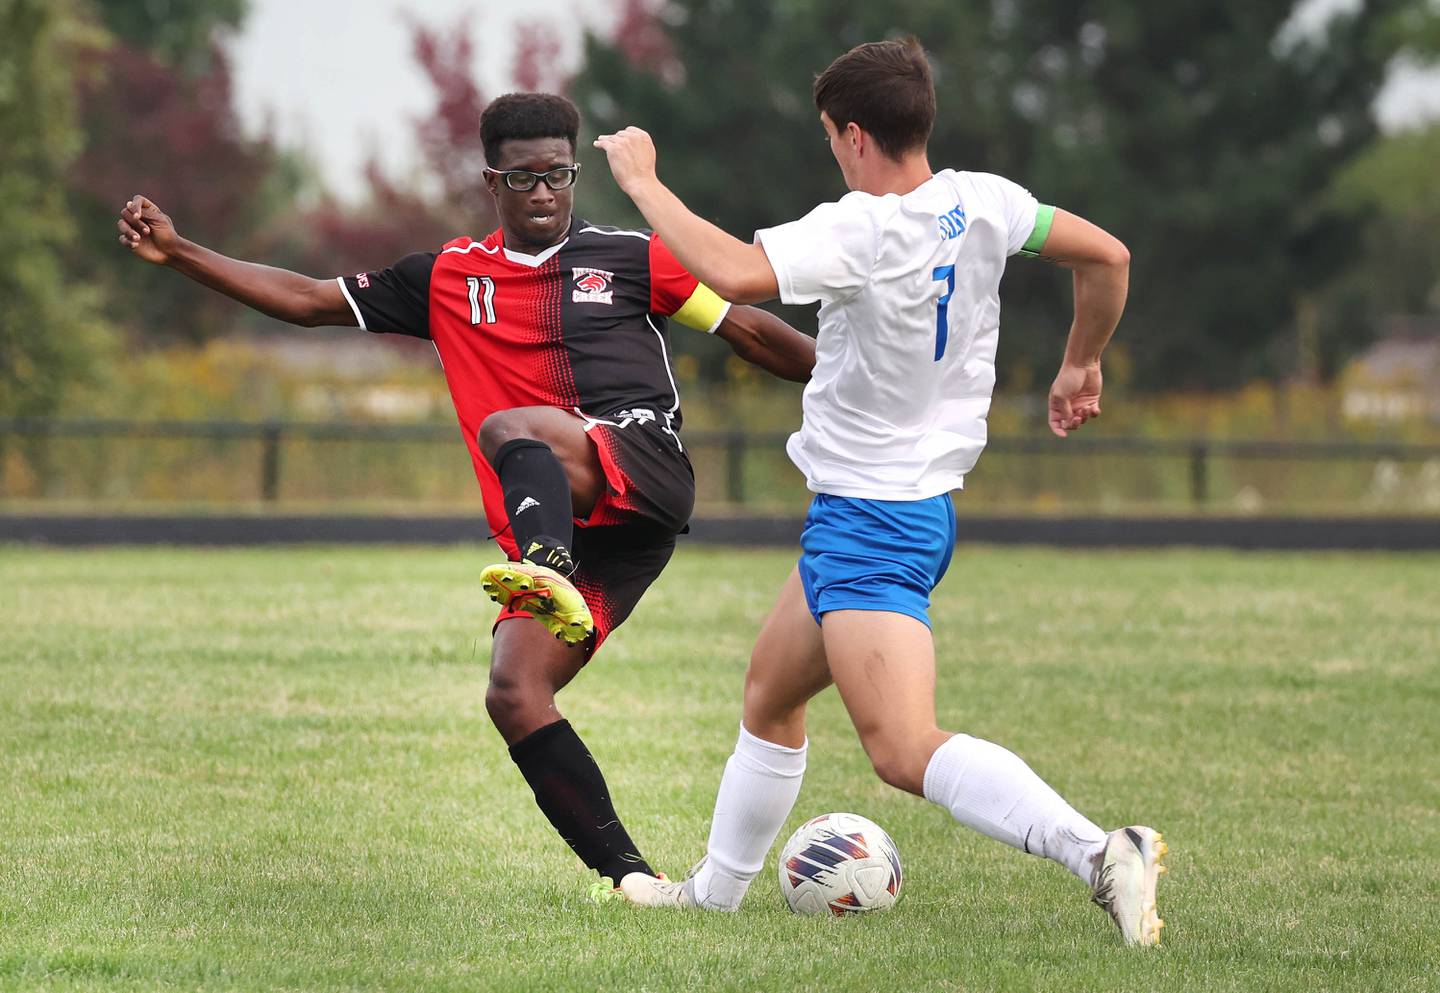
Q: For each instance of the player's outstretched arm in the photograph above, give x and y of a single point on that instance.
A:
(288, 296)
(762, 339)
(1101, 264)
(739, 272)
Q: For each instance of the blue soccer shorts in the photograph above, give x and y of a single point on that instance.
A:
(858, 554)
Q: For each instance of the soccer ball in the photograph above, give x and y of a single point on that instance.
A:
(839, 864)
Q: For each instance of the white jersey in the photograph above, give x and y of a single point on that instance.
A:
(909, 323)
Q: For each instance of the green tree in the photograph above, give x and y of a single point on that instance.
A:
(152, 128)
(48, 331)
(1395, 183)
(1398, 273)
(178, 31)
(1206, 135)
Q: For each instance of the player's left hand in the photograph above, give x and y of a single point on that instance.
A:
(1074, 397)
(632, 157)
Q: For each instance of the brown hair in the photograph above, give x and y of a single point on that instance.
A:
(885, 88)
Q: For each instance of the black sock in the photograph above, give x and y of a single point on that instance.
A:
(537, 493)
(572, 793)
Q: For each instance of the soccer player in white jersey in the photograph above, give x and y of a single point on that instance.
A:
(907, 270)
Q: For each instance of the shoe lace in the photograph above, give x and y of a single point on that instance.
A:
(1103, 895)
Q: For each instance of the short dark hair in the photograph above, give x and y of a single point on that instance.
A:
(527, 115)
(885, 88)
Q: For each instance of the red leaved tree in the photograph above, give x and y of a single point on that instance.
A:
(151, 128)
(641, 37)
(448, 197)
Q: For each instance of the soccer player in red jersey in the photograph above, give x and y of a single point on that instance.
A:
(552, 335)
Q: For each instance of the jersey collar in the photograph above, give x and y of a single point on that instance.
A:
(535, 261)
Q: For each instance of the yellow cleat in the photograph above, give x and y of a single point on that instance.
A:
(604, 890)
(542, 593)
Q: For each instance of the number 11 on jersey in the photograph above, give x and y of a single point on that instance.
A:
(479, 314)
(942, 312)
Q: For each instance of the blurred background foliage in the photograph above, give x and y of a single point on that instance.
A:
(1208, 136)
(1276, 231)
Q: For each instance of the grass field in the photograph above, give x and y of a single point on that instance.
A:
(244, 770)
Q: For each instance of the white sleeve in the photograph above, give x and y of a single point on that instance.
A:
(826, 255)
(1014, 203)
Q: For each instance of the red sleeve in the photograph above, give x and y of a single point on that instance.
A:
(670, 283)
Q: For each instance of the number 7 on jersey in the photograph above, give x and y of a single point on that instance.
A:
(942, 311)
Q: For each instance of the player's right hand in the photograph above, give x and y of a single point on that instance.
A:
(631, 154)
(147, 231)
(1074, 397)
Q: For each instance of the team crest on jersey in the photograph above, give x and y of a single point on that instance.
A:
(592, 286)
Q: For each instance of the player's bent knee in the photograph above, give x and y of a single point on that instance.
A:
(504, 426)
(769, 697)
(510, 703)
(495, 430)
(899, 766)
(501, 702)
(899, 775)
(756, 687)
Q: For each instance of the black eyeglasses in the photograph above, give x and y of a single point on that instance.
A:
(523, 180)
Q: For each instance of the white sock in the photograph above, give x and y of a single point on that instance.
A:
(757, 793)
(992, 790)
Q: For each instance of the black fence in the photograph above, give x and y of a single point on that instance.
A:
(1391, 534)
(43, 459)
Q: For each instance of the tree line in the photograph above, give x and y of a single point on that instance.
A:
(1231, 144)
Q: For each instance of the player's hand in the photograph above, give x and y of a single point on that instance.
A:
(1074, 397)
(632, 157)
(147, 231)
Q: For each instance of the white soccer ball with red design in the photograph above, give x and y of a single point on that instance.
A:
(839, 864)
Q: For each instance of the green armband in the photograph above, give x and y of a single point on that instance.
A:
(1044, 217)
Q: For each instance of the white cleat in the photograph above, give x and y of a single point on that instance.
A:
(645, 890)
(1124, 883)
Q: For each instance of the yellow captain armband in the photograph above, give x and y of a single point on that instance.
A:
(703, 311)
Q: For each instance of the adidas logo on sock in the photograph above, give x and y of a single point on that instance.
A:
(526, 504)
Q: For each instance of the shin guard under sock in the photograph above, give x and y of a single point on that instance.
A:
(571, 792)
(537, 493)
(991, 789)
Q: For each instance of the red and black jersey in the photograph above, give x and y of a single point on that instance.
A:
(582, 326)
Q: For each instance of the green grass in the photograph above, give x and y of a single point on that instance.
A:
(272, 770)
